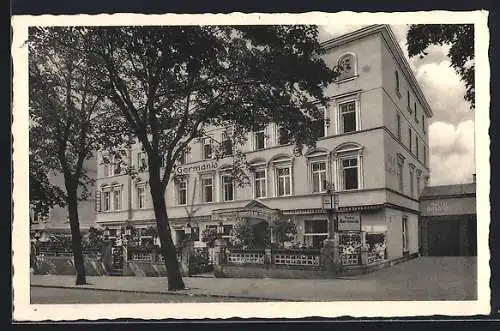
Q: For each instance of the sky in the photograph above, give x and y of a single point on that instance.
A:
(451, 129)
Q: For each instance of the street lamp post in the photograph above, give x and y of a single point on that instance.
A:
(330, 202)
(330, 254)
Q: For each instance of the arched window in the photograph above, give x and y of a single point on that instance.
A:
(318, 169)
(282, 167)
(347, 66)
(348, 167)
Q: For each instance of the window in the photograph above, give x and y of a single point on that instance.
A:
(208, 189)
(396, 74)
(318, 176)
(425, 155)
(227, 231)
(259, 141)
(423, 123)
(315, 232)
(405, 234)
(107, 201)
(350, 173)
(283, 176)
(416, 147)
(227, 144)
(348, 117)
(409, 139)
(347, 66)
(106, 169)
(141, 197)
(260, 183)
(141, 161)
(183, 158)
(408, 100)
(419, 176)
(283, 136)
(207, 149)
(117, 199)
(348, 166)
(195, 233)
(400, 172)
(117, 164)
(182, 191)
(415, 111)
(411, 171)
(227, 188)
(112, 197)
(398, 123)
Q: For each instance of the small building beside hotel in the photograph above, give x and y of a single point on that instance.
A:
(448, 224)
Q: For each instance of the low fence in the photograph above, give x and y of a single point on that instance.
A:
(304, 258)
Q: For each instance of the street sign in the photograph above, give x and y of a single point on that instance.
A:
(327, 202)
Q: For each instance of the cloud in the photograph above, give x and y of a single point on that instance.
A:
(451, 152)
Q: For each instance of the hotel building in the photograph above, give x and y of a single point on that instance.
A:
(374, 147)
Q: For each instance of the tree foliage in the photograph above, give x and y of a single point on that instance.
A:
(460, 38)
(284, 231)
(67, 118)
(209, 236)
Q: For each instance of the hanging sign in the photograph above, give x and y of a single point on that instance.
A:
(349, 222)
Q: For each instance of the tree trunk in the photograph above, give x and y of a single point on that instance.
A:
(76, 238)
(168, 249)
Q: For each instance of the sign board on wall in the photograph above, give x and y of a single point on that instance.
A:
(349, 222)
(200, 167)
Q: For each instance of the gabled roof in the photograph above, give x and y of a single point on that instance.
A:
(449, 191)
(255, 203)
(394, 47)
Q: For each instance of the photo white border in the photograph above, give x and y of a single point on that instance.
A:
(24, 311)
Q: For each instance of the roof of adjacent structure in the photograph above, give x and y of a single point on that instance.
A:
(448, 191)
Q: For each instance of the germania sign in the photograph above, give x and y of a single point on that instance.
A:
(349, 222)
(197, 168)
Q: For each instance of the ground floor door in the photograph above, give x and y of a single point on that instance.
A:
(443, 237)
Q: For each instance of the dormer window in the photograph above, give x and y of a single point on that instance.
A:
(347, 66)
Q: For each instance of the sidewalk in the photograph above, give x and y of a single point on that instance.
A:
(419, 279)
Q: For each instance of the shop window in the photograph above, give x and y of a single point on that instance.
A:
(315, 232)
(376, 245)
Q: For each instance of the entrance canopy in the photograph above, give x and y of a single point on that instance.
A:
(254, 211)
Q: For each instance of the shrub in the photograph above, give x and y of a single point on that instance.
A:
(199, 262)
(209, 236)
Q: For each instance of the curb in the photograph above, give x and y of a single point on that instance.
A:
(167, 292)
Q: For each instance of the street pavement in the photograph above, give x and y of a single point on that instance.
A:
(45, 295)
(424, 278)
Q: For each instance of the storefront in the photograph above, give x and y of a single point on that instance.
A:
(448, 223)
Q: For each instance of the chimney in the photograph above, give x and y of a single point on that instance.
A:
(473, 178)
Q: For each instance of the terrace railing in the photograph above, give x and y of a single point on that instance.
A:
(250, 256)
